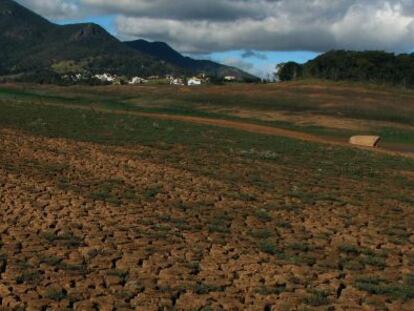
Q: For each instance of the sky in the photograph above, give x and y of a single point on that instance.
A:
(254, 35)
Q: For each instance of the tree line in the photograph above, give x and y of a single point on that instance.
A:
(370, 66)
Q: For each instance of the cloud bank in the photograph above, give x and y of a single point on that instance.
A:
(53, 9)
(200, 26)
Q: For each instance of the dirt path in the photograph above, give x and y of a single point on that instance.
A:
(239, 125)
(269, 130)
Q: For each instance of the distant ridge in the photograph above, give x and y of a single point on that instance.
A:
(30, 44)
(163, 51)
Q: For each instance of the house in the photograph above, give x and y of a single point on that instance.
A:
(169, 77)
(194, 81)
(73, 77)
(230, 78)
(137, 80)
(177, 81)
(106, 77)
(77, 77)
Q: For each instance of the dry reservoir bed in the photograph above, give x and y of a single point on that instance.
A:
(89, 226)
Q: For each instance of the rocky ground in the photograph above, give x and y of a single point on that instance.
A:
(94, 227)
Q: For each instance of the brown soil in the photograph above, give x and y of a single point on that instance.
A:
(92, 227)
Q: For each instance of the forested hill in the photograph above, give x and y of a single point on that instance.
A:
(370, 66)
(34, 49)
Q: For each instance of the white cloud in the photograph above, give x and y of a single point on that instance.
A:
(53, 9)
(239, 63)
(260, 25)
(316, 25)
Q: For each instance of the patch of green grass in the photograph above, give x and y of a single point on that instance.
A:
(110, 191)
(262, 234)
(378, 286)
(397, 235)
(304, 197)
(409, 279)
(247, 197)
(55, 294)
(263, 215)
(283, 224)
(220, 223)
(218, 228)
(356, 251)
(303, 247)
(317, 298)
(30, 277)
(300, 259)
(269, 247)
(353, 265)
(152, 192)
(202, 288)
(373, 261)
(105, 197)
(194, 266)
(271, 290)
(66, 239)
(50, 260)
(3, 257)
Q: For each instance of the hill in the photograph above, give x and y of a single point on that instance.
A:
(163, 51)
(38, 49)
(369, 66)
(34, 44)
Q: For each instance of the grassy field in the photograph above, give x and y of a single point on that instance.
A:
(138, 213)
(337, 110)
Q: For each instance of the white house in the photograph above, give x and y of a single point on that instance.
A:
(230, 78)
(177, 81)
(105, 77)
(194, 81)
(137, 80)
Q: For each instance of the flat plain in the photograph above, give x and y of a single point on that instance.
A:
(235, 197)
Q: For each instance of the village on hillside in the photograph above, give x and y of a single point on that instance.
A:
(113, 79)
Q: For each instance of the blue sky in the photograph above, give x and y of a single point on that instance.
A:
(264, 63)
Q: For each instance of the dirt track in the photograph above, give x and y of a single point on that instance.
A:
(244, 126)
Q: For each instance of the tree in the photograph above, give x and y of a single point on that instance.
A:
(289, 71)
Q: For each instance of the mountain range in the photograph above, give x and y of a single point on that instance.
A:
(32, 45)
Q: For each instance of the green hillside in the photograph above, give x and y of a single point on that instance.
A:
(36, 49)
(369, 66)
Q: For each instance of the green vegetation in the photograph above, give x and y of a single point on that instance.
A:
(68, 67)
(317, 298)
(56, 294)
(262, 234)
(269, 247)
(113, 129)
(271, 290)
(263, 215)
(202, 288)
(298, 100)
(220, 223)
(378, 286)
(66, 239)
(371, 66)
(30, 277)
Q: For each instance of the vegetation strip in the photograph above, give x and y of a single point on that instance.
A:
(248, 127)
